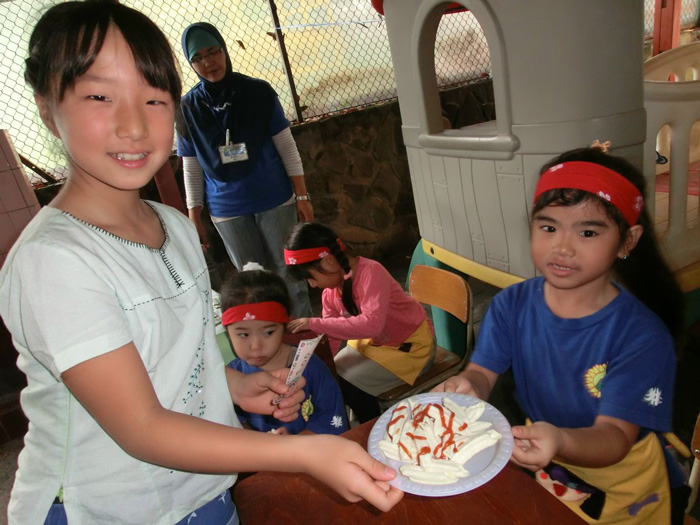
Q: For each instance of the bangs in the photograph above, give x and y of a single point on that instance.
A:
(300, 272)
(73, 44)
(60, 54)
(152, 52)
(561, 197)
(572, 197)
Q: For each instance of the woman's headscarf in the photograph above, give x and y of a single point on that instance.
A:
(222, 88)
(247, 115)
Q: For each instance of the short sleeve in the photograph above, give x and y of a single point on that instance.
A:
(639, 381)
(328, 415)
(185, 147)
(278, 122)
(494, 347)
(68, 314)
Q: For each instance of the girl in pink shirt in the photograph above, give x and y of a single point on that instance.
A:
(388, 338)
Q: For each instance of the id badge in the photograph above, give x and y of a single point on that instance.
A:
(233, 153)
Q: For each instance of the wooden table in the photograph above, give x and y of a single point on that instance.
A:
(511, 497)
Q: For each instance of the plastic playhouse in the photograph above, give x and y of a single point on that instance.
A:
(564, 74)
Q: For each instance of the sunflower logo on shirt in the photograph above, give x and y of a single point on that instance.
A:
(593, 378)
(307, 408)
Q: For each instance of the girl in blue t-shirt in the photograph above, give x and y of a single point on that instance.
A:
(255, 305)
(593, 365)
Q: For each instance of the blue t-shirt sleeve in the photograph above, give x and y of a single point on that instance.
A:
(328, 416)
(639, 381)
(494, 344)
(278, 122)
(185, 148)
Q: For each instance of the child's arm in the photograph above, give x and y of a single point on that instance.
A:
(475, 380)
(328, 310)
(605, 443)
(374, 292)
(254, 393)
(116, 390)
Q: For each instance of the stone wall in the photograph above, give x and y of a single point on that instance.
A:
(357, 174)
(357, 170)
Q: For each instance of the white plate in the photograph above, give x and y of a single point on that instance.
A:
(482, 467)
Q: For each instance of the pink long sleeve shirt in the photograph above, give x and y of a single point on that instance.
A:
(387, 314)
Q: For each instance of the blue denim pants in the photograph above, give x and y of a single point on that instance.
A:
(219, 511)
(260, 238)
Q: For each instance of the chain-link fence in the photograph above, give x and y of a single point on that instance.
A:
(690, 15)
(334, 56)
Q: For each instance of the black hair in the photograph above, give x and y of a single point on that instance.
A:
(306, 235)
(254, 286)
(644, 273)
(68, 37)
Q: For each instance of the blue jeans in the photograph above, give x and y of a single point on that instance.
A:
(260, 238)
(219, 511)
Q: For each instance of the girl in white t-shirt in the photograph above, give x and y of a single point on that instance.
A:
(108, 301)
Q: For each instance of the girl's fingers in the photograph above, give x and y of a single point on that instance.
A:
(383, 485)
(528, 466)
(524, 433)
(385, 501)
(442, 387)
(371, 485)
(378, 470)
(376, 494)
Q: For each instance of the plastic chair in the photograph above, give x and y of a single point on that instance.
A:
(449, 292)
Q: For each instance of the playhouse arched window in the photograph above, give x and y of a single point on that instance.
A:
(462, 58)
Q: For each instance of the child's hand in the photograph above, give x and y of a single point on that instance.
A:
(349, 470)
(458, 384)
(279, 431)
(298, 325)
(535, 445)
(255, 393)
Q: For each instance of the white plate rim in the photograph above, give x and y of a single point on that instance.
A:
(503, 449)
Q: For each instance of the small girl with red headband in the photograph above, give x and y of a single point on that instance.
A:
(255, 305)
(388, 339)
(594, 365)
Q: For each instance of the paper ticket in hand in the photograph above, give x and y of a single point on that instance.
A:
(301, 358)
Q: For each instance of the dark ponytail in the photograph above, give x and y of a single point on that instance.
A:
(644, 273)
(314, 235)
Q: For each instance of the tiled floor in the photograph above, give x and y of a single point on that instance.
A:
(661, 212)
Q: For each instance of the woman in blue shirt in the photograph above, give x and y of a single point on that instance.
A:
(240, 156)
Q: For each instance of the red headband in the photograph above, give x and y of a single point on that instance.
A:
(269, 311)
(598, 180)
(292, 257)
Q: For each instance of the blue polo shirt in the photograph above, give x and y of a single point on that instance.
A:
(252, 113)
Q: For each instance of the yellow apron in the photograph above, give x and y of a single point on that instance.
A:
(636, 489)
(405, 365)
